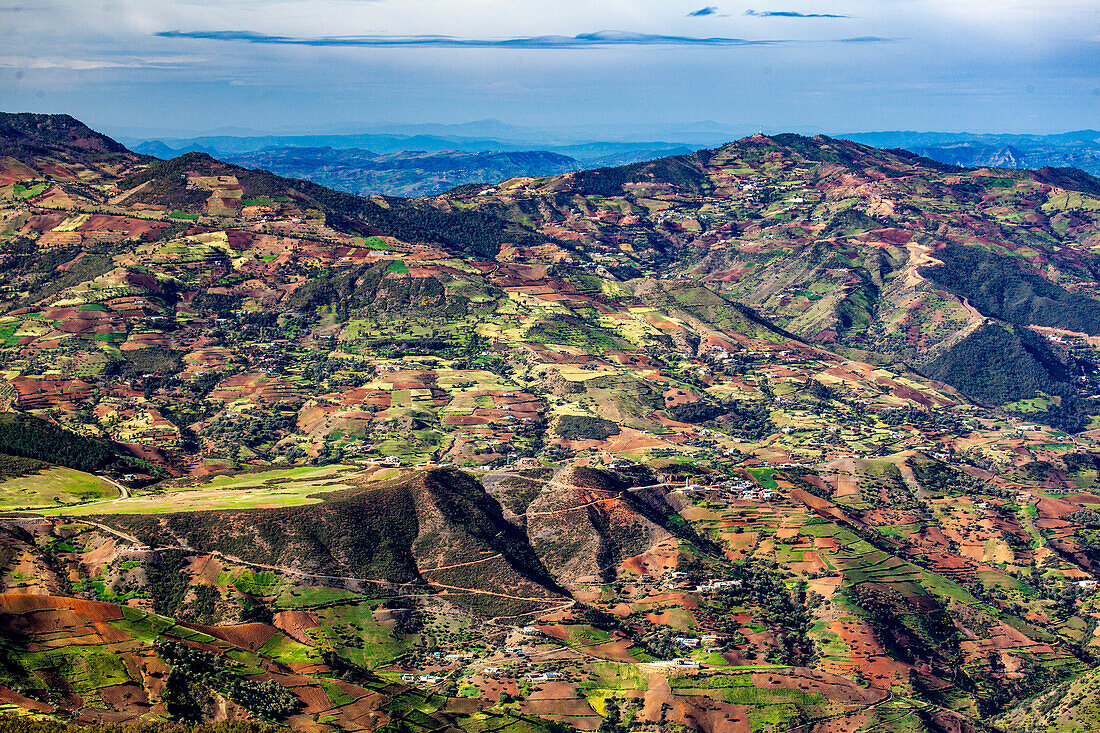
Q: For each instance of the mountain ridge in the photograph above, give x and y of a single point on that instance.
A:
(791, 433)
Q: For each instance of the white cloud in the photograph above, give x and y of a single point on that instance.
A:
(84, 64)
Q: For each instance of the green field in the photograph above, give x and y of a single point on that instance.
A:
(22, 192)
(765, 477)
(377, 645)
(267, 489)
(85, 668)
(376, 243)
(54, 486)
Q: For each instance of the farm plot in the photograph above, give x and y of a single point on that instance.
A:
(54, 486)
(268, 489)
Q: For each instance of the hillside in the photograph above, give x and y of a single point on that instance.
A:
(852, 247)
(399, 532)
(58, 158)
(28, 136)
(790, 434)
(196, 186)
(1070, 706)
(126, 659)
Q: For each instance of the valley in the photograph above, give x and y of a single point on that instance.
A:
(792, 434)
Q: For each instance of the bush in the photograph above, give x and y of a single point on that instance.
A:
(268, 700)
(585, 427)
(23, 724)
(30, 437)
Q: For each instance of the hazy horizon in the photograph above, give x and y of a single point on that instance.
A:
(606, 134)
(684, 133)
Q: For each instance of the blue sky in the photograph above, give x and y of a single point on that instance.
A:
(615, 65)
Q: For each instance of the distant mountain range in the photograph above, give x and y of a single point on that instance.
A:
(412, 173)
(591, 152)
(1079, 149)
(428, 159)
(406, 165)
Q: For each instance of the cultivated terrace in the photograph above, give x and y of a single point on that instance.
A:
(794, 434)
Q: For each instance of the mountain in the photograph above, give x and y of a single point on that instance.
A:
(1079, 149)
(413, 173)
(975, 155)
(29, 135)
(793, 433)
(380, 142)
(388, 142)
(57, 147)
(398, 532)
(158, 149)
(408, 165)
(195, 185)
(848, 245)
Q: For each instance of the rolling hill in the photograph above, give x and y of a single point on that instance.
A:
(791, 434)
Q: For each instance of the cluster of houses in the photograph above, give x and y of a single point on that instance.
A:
(688, 644)
(387, 461)
(686, 581)
(679, 662)
(745, 490)
(424, 679)
(536, 679)
(753, 493)
(712, 585)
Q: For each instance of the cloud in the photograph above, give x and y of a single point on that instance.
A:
(708, 10)
(791, 14)
(76, 64)
(582, 40)
(868, 39)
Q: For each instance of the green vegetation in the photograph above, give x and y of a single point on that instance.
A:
(765, 477)
(30, 437)
(999, 365)
(87, 669)
(11, 466)
(280, 487)
(26, 724)
(1011, 290)
(23, 192)
(376, 243)
(585, 427)
(51, 486)
(167, 583)
(192, 668)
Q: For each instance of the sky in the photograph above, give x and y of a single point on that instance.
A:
(621, 67)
